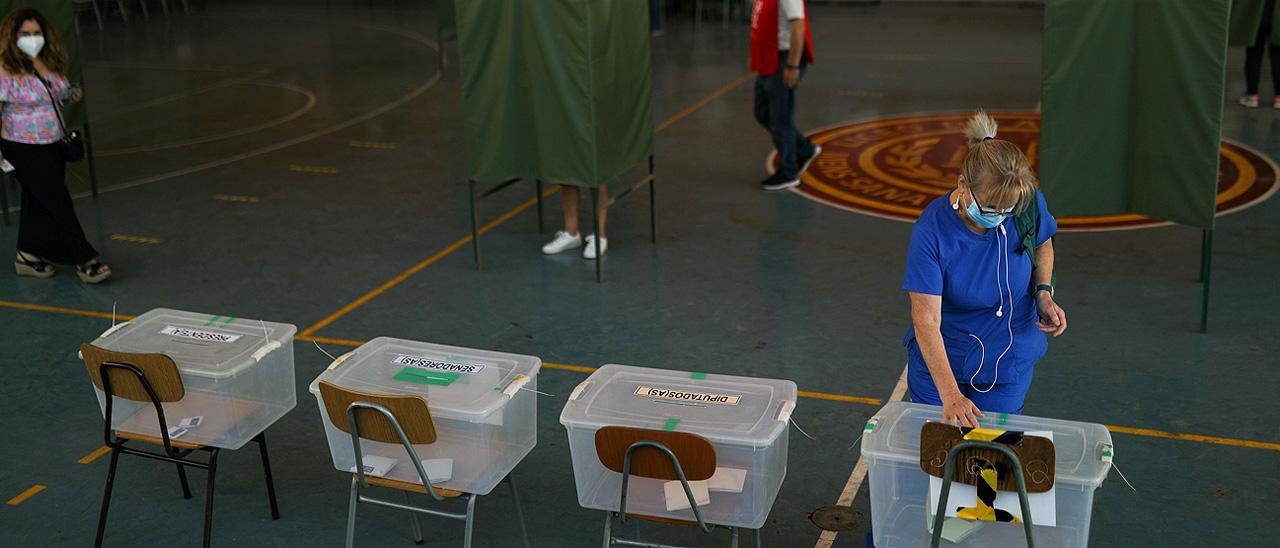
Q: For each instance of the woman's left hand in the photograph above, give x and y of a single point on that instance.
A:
(1052, 318)
(76, 95)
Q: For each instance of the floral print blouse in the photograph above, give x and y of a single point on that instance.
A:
(27, 112)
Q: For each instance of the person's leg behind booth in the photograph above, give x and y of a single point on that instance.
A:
(571, 236)
(794, 150)
(1253, 66)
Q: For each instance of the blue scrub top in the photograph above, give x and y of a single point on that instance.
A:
(946, 258)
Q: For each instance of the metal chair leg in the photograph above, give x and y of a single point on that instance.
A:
(182, 476)
(351, 511)
(759, 533)
(413, 516)
(608, 530)
(208, 498)
(124, 13)
(106, 498)
(98, 14)
(515, 498)
(471, 518)
(164, 6)
(146, 13)
(266, 470)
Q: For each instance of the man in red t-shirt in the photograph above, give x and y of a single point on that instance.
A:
(781, 49)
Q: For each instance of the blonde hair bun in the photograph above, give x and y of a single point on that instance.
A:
(980, 128)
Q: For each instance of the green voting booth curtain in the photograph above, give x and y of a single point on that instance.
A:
(61, 16)
(1132, 107)
(1246, 18)
(555, 89)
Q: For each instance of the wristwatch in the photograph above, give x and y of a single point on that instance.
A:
(1044, 287)
(792, 67)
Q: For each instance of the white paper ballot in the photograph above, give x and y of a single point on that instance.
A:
(677, 500)
(191, 422)
(727, 480)
(1044, 506)
(439, 470)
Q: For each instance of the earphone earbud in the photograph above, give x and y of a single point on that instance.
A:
(1002, 230)
(955, 205)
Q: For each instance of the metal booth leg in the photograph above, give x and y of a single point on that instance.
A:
(475, 231)
(266, 470)
(208, 498)
(733, 537)
(1206, 276)
(106, 498)
(595, 219)
(653, 204)
(538, 190)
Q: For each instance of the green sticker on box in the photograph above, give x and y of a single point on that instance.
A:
(671, 423)
(423, 376)
(1004, 417)
(698, 376)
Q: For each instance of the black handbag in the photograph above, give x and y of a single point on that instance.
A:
(72, 143)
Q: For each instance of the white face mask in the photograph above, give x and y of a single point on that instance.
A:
(31, 45)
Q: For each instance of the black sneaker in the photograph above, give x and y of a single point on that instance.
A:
(805, 161)
(778, 182)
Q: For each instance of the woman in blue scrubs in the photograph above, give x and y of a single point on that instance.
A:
(979, 309)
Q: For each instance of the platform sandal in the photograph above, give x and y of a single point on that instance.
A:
(34, 268)
(93, 272)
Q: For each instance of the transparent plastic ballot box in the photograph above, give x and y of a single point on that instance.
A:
(483, 405)
(744, 418)
(901, 490)
(237, 374)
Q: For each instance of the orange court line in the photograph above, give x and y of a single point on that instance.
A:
(467, 239)
(1194, 437)
(94, 455)
(1146, 432)
(25, 495)
(62, 310)
(415, 268)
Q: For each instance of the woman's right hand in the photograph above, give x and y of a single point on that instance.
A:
(959, 411)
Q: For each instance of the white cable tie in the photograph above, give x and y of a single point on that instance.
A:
(855, 442)
(1126, 480)
(806, 434)
(326, 352)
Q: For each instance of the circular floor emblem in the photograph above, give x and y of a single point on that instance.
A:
(893, 167)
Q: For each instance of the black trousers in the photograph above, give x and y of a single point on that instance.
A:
(49, 228)
(1253, 55)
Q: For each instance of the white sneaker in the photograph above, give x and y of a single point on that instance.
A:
(562, 242)
(589, 248)
(1249, 101)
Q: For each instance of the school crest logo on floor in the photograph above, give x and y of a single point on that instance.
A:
(893, 167)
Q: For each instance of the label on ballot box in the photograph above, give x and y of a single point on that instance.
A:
(687, 396)
(199, 335)
(428, 363)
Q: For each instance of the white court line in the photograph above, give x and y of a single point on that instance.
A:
(859, 470)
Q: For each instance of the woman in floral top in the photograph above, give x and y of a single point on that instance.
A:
(33, 66)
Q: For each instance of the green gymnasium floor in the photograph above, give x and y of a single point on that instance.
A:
(304, 165)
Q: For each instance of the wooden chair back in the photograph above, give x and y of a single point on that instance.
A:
(410, 411)
(159, 370)
(696, 455)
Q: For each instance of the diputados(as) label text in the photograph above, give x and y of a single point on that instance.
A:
(685, 395)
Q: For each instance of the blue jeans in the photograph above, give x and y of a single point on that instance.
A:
(655, 15)
(775, 106)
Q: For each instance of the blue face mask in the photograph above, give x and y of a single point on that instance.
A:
(984, 220)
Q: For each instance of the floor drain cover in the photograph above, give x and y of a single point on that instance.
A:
(836, 518)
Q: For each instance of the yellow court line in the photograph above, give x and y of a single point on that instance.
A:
(26, 495)
(62, 310)
(1194, 437)
(458, 244)
(94, 455)
(1146, 432)
(415, 268)
(703, 102)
